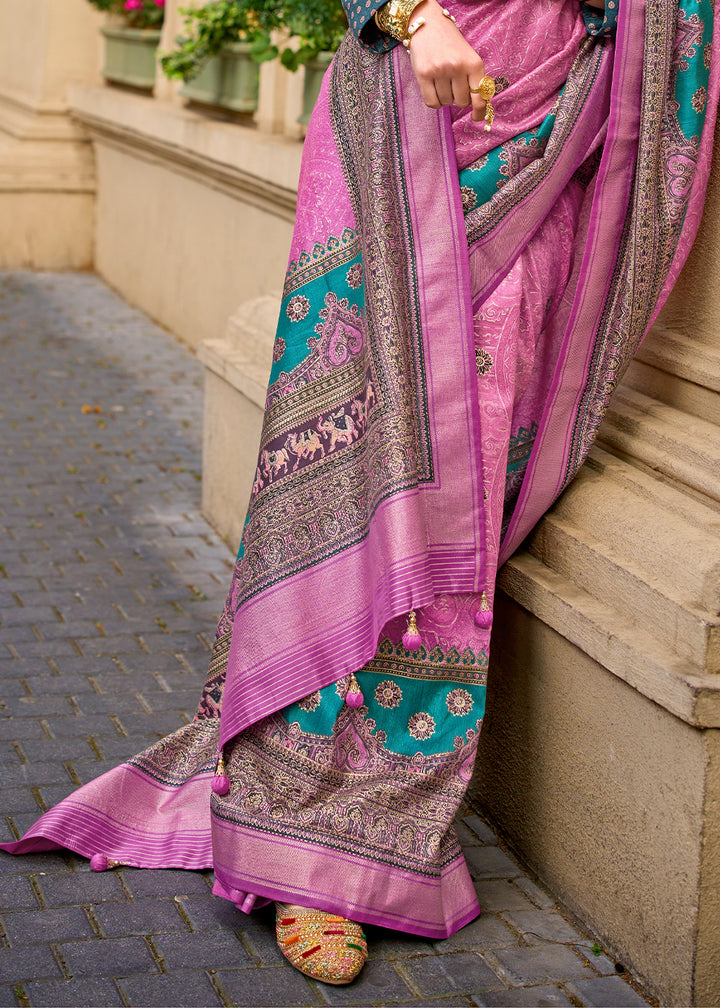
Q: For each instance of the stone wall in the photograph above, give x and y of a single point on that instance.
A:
(193, 215)
(185, 212)
(46, 166)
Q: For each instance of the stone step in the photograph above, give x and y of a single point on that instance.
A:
(686, 631)
(610, 637)
(645, 549)
(680, 370)
(683, 447)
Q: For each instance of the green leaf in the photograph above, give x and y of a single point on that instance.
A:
(262, 50)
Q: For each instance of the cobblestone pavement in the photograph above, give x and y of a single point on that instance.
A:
(110, 585)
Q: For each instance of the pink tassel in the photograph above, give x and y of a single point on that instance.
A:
(248, 903)
(98, 862)
(484, 617)
(411, 638)
(354, 697)
(220, 782)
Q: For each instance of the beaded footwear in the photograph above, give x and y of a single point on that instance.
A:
(322, 946)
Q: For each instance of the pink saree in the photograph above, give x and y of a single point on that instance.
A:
(442, 364)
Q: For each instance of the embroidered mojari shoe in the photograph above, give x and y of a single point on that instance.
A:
(321, 945)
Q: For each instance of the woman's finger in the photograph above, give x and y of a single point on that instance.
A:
(428, 93)
(479, 108)
(444, 90)
(461, 91)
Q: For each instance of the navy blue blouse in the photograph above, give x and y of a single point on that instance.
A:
(360, 18)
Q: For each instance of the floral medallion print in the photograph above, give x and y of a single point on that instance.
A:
(279, 349)
(459, 702)
(388, 694)
(421, 726)
(469, 198)
(354, 275)
(297, 308)
(699, 100)
(311, 702)
(483, 361)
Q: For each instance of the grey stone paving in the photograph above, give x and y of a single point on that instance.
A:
(110, 586)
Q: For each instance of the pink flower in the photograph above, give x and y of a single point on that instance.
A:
(131, 5)
(159, 3)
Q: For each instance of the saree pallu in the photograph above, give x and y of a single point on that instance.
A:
(458, 308)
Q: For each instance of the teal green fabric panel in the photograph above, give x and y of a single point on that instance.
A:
(695, 20)
(480, 181)
(362, 24)
(301, 308)
(417, 715)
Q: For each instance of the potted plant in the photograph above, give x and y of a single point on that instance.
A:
(213, 56)
(131, 40)
(318, 27)
(214, 32)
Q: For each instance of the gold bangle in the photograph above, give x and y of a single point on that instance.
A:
(394, 17)
(412, 28)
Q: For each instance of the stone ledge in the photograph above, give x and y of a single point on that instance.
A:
(27, 120)
(662, 385)
(42, 152)
(649, 523)
(683, 355)
(614, 641)
(241, 373)
(243, 359)
(47, 187)
(262, 170)
(687, 631)
(236, 376)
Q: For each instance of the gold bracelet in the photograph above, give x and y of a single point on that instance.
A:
(394, 17)
(412, 28)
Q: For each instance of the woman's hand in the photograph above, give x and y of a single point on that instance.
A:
(445, 65)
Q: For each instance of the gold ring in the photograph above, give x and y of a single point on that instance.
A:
(486, 88)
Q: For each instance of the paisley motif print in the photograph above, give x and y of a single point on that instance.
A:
(653, 225)
(348, 792)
